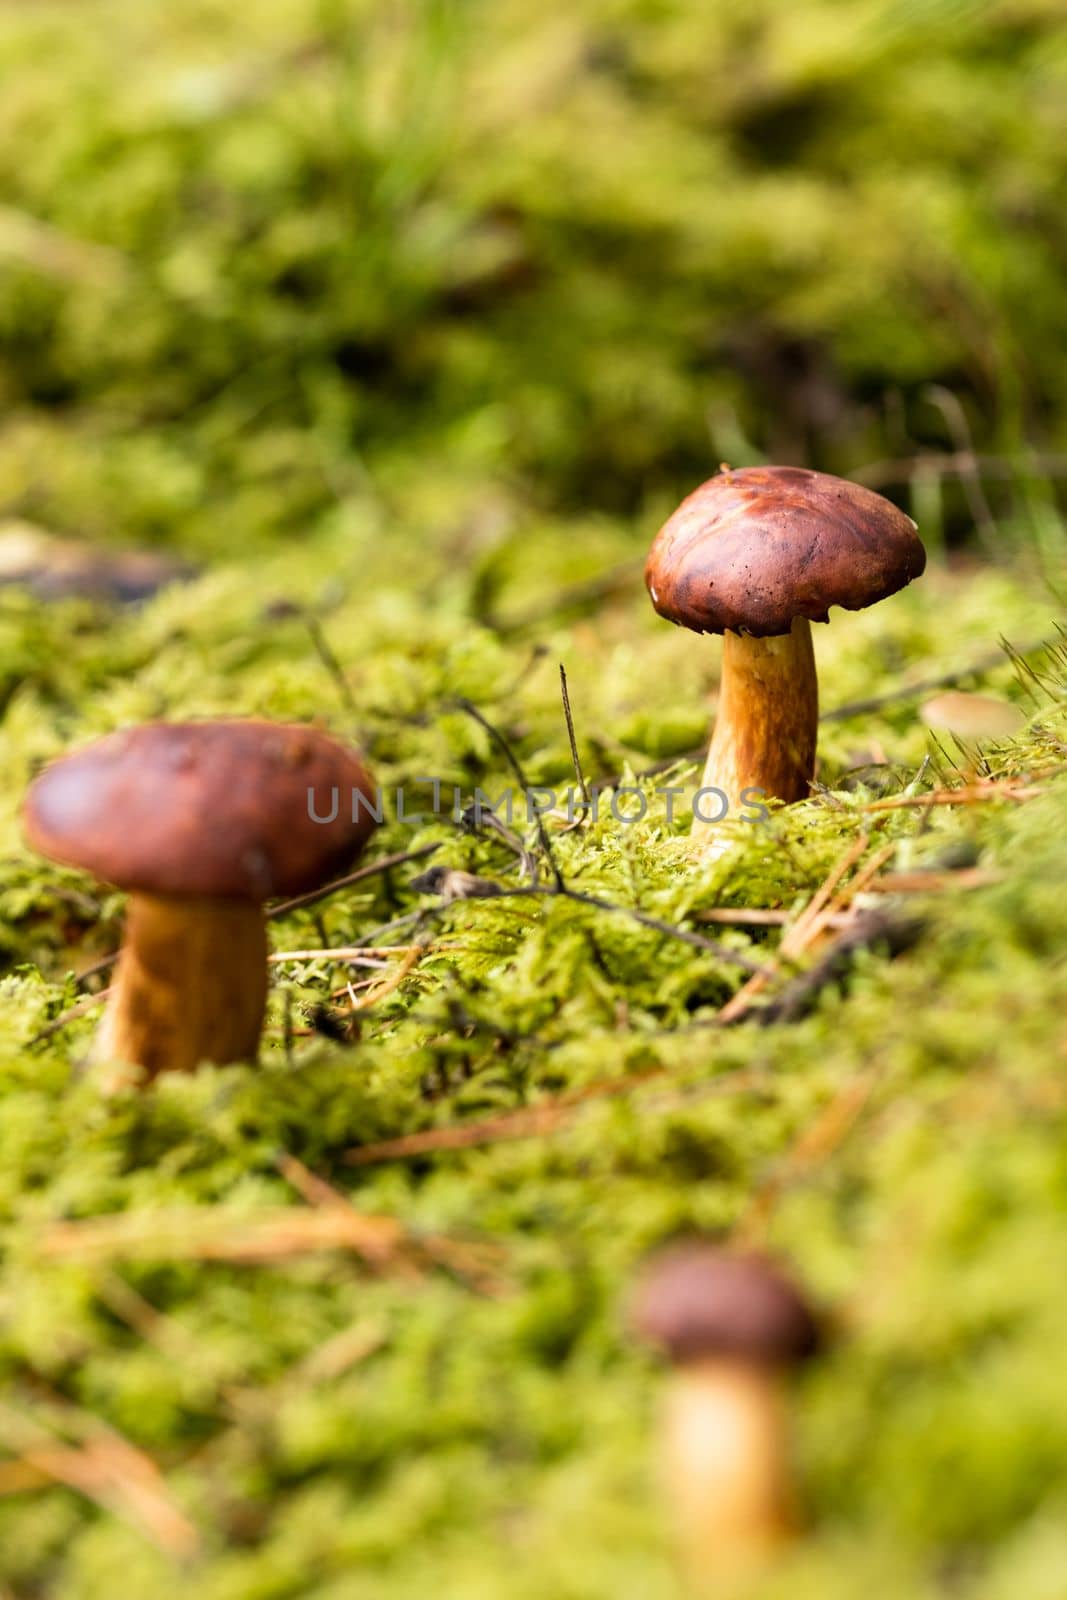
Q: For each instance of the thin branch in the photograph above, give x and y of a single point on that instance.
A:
(108, 1470)
(400, 858)
(743, 917)
(258, 1238)
(578, 773)
(70, 1015)
(657, 924)
(798, 936)
(480, 819)
(968, 794)
(815, 1144)
(359, 955)
(390, 985)
(325, 652)
(878, 927)
(517, 768)
(722, 952)
(529, 1122)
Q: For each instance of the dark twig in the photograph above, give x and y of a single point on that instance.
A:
(889, 929)
(477, 819)
(529, 1122)
(516, 766)
(79, 1009)
(324, 650)
(399, 859)
(578, 773)
(481, 890)
(104, 964)
(721, 952)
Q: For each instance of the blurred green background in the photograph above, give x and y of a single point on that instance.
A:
(447, 258)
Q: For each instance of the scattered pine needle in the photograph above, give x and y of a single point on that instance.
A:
(746, 917)
(106, 1468)
(967, 795)
(353, 953)
(391, 984)
(934, 882)
(79, 1009)
(215, 1233)
(531, 1122)
(801, 933)
(527, 1123)
(815, 1144)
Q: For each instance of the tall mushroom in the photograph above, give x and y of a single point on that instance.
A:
(758, 555)
(201, 822)
(732, 1326)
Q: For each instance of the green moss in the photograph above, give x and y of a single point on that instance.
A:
(533, 249)
(502, 1442)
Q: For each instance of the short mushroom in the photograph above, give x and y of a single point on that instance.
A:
(732, 1325)
(201, 823)
(971, 717)
(758, 555)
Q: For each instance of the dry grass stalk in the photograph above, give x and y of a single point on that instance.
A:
(801, 933)
(106, 1468)
(355, 952)
(966, 795)
(814, 1145)
(215, 1233)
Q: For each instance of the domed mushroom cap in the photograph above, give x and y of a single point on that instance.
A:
(204, 808)
(696, 1300)
(753, 549)
(972, 716)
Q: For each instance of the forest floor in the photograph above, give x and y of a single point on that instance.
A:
(348, 1322)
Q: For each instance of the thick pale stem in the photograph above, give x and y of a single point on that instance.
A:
(727, 1465)
(190, 985)
(767, 724)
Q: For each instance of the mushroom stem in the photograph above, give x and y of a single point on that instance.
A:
(190, 985)
(726, 1463)
(767, 724)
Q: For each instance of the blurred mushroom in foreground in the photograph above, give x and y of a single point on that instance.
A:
(758, 555)
(58, 569)
(732, 1326)
(201, 823)
(971, 717)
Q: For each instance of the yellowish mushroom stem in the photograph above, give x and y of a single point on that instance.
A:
(190, 985)
(767, 724)
(726, 1461)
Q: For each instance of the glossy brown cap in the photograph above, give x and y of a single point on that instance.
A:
(696, 1300)
(204, 808)
(751, 550)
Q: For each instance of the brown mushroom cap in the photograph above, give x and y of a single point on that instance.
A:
(751, 550)
(203, 808)
(696, 1300)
